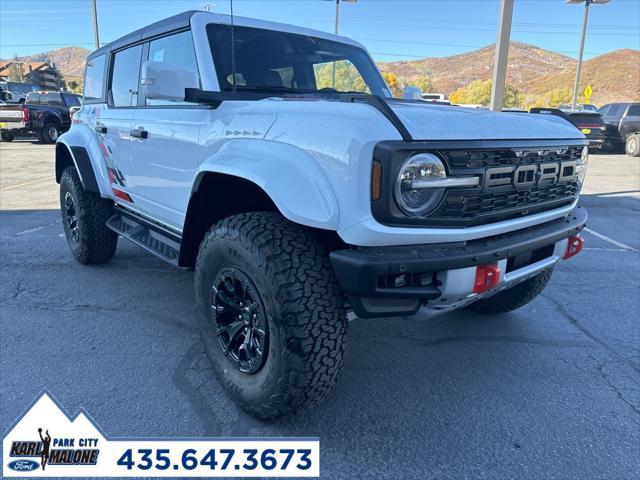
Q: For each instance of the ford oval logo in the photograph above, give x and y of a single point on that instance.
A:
(23, 465)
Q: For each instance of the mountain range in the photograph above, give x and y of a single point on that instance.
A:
(614, 76)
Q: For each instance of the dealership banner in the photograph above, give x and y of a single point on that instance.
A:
(47, 442)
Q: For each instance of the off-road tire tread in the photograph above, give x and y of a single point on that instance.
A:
(514, 297)
(312, 311)
(99, 243)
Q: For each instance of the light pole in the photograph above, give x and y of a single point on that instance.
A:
(582, 37)
(95, 25)
(502, 55)
(336, 30)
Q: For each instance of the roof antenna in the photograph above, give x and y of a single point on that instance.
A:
(233, 52)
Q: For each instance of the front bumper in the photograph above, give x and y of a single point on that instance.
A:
(432, 271)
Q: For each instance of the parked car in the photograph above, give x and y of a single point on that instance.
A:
(579, 106)
(44, 114)
(297, 199)
(623, 127)
(14, 92)
(591, 124)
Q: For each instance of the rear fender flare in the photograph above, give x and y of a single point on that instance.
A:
(288, 175)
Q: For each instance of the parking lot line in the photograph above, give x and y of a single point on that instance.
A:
(618, 244)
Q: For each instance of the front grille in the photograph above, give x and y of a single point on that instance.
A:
(475, 206)
(527, 191)
(517, 201)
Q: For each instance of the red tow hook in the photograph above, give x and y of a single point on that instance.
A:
(574, 247)
(487, 277)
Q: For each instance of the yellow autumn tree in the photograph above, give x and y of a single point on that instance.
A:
(553, 98)
(478, 92)
(393, 83)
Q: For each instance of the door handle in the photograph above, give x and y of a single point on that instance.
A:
(100, 129)
(139, 133)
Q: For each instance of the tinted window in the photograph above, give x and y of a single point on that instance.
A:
(71, 100)
(124, 77)
(177, 49)
(94, 78)
(33, 98)
(615, 111)
(266, 60)
(51, 98)
(634, 111)
(605, 109)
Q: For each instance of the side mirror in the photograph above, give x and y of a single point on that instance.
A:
(167, 80)
(412, 93)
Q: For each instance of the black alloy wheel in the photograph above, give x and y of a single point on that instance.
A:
(71, 217)
(240, 320)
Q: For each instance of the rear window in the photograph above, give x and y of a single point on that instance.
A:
(33, 98)
(71, 100)
(94, 78)
(51, 98)
(616, 110)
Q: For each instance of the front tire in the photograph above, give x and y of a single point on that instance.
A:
(270, 312)
(632, 145)
(514, 297)
(84, 216)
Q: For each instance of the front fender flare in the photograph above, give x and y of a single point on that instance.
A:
(85, 154)
(289, 176)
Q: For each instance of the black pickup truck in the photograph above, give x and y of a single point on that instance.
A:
(44, 114)
(590, 123)
(623, 127)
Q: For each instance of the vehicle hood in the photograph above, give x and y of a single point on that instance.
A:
(445, 122)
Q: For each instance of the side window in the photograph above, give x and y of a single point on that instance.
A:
(177, 49)
(634, 111)
(124, 77)
(94, 78)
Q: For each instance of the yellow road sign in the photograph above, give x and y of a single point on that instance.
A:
(587, 93)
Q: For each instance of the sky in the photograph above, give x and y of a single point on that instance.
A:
(390, 29)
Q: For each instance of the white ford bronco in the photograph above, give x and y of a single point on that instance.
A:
(273, 160)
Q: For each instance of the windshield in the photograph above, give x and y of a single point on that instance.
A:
(268, 60)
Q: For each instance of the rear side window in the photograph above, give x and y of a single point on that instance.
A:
(94, 78)
(125, 76)
(176, 49)
(634, 111)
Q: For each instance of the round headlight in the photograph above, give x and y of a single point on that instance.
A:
(581, 167)
(413, 193)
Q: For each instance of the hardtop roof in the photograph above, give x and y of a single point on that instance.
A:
(183, 20)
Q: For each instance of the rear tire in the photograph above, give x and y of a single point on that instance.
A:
(290, 291)
(84, 216)
(49, 133)
(7, 136)
(514, 297)
(632, 145)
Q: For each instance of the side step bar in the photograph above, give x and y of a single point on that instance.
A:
(153, 238)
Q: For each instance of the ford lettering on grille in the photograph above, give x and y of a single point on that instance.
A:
(524, 176)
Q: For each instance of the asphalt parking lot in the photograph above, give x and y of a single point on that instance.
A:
(550, 391)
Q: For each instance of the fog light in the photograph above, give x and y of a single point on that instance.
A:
(574, 247)
(487, 277)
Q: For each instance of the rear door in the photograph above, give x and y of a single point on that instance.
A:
(164, 160)
(631, 121)
(113, 122)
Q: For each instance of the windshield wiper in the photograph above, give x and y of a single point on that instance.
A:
(267, 88)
